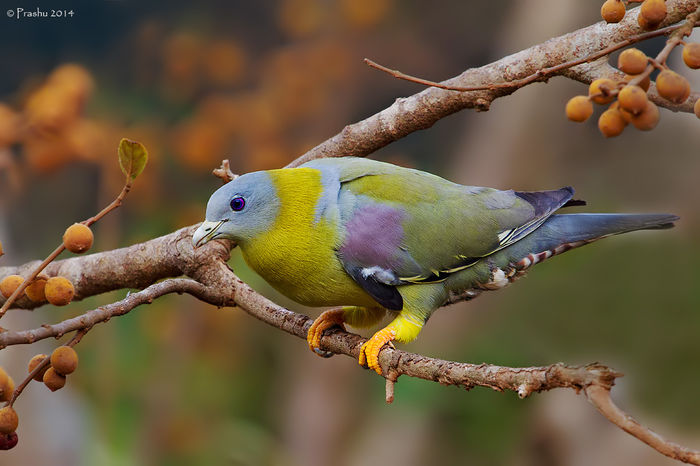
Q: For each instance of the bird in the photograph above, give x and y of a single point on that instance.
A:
(369, 238)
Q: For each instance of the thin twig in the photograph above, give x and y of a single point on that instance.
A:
(539, 75)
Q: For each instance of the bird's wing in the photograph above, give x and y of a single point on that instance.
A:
(405, 226)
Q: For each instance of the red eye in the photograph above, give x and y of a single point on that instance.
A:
(237, 204)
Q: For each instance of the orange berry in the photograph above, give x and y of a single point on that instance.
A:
(64, 360)
(632, 61)
(632, 98)
(648, 119)
(1, 251)
(53, 380)
(35, 361)
(612, 11)
(59, 291)
(35, 290)
(78, 238)
(672, 86)
(9, 284)
(652, 13)
(691, 57)
(696, 108)
(602, 86)
(7, 385)
(8, 420)
(611, 123)
(579, 108)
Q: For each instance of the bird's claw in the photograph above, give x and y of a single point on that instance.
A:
(369, 352)
(330, 318)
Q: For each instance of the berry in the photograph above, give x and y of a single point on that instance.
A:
(696, 108)
(579, 108)
(612, 11)
(632, 61)
(9, 284)
(78, 238)
(7, 386)
(8, 441)
(611, 123)
(59, 291)
(602, 86)
(1, 252)
(53, 379)
(652, 13)
(35, 361)
(633, 99)
(64, 360)
(672, 86)
(648, 119)
(35, 290)
(691, 57)
(8, 420)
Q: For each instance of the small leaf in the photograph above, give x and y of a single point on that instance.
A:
(132, 157)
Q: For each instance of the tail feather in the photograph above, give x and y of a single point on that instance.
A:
(562, 232)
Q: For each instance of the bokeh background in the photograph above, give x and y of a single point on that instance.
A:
(183, 383)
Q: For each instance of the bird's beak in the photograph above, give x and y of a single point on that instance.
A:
(206, 232)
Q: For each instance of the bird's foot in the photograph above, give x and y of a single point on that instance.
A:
(330, 318)
(369, 353)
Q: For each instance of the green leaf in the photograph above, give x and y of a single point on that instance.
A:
(132, 157)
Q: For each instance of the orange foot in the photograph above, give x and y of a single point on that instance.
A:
(369, 353)
(328, 319)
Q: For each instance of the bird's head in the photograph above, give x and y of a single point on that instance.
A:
(240, 210)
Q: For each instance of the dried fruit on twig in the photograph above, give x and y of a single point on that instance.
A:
(8, 420)
(600, 90)
(632, 61)
(611, 123)
(633, 99)
(64, 360)
(691, 55)
(35, 290)
(53, 380)
(7, 385)
(652, 13)
(579, 108)
(78, 238)
(59, 291)
(612, 11)
(9, 284)
(8, 441)
(672, 86)
(35, 361)
(648, 119)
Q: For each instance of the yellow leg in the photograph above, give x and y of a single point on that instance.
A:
(404, 329)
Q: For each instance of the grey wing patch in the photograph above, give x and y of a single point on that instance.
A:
(375, 281)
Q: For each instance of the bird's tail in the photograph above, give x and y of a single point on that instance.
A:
(567, 231)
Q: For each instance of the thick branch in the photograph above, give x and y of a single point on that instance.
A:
(422, 110)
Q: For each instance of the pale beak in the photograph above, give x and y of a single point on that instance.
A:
(206, 232)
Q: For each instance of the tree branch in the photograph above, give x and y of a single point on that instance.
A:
(423, 110)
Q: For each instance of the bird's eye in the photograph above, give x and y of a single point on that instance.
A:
(237, 204)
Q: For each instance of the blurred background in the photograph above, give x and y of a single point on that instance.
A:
(182, 383)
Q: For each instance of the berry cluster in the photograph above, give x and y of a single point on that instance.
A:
(63, 361)
(58, 291)
(627, 96)
(651, 14)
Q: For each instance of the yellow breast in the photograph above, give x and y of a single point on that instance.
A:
(297, 254)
